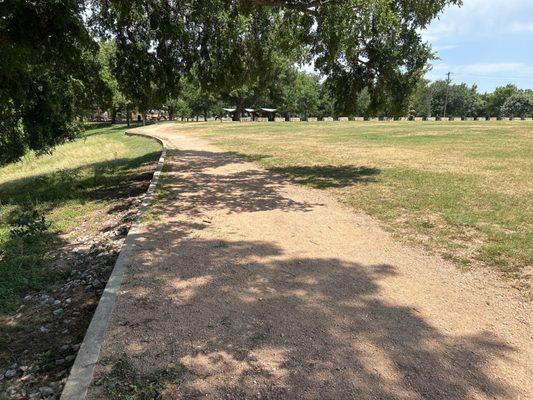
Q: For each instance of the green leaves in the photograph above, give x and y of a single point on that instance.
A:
(518, 105)
(48, 74)
(50, 71)
(355, 44)
(29, 225)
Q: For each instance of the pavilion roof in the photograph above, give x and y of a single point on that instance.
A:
(251, 110)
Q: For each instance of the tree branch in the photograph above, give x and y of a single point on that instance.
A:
(307, 7)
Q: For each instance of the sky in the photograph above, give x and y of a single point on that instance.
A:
(484, 42)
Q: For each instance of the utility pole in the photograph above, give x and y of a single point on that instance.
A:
(448, 81)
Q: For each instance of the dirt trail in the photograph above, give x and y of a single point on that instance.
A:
(264, 289)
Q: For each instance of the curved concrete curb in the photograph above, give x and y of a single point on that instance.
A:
(81, 374)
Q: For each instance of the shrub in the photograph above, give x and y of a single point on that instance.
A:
(518, 105)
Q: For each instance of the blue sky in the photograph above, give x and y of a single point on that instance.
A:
(486, 42)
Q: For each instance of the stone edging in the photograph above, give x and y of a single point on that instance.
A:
(81, 373)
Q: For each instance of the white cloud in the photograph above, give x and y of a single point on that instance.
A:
(445, 47)
(518, 26)
(517, 69)
(482, 17)
(488, 37)
(491, 68)
(486, 75)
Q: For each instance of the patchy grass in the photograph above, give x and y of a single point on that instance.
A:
(123, 382)
(52, 194)
(461, 189)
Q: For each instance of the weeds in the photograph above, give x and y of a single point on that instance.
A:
(29, 225)
(43, 198)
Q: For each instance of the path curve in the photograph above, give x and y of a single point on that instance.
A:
(263, 289)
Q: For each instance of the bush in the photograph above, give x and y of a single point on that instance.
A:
(518, 105)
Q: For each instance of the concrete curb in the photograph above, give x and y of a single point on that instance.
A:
(82, 372)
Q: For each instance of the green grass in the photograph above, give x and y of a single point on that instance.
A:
(77, 179)
(461, 189)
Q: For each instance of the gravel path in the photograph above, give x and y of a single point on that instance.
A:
(267, 290)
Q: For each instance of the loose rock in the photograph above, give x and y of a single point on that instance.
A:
(10, 373)
(46, 391)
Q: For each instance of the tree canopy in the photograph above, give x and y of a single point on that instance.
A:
(519, 104)
(47, 73)
(464, 101)
(50, 69)
(355, 44)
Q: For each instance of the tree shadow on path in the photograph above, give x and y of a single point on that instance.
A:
(243, 319)
(249, 319)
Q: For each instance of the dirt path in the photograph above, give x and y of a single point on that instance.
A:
(263, 289)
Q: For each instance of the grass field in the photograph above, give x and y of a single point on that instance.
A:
(43, 198)
(460, 189)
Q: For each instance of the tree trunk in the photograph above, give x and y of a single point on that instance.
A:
(240, 109)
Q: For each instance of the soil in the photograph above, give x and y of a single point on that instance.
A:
(259, 288)
(48, 327)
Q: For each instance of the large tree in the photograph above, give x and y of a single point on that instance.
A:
(355, 44)
(48, 74)
(496, 99)
(421, 100)
(460, 100)
(117, 101)
(519, 104)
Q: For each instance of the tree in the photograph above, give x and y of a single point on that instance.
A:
(182, 109)
(518, 105)
(496, 99)
(326, 106)
(48, 74)
(463, 101)
(116, 100)
(308, 94)
(422, 100)
(355, 44)
(295, 93)
(201, 102)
